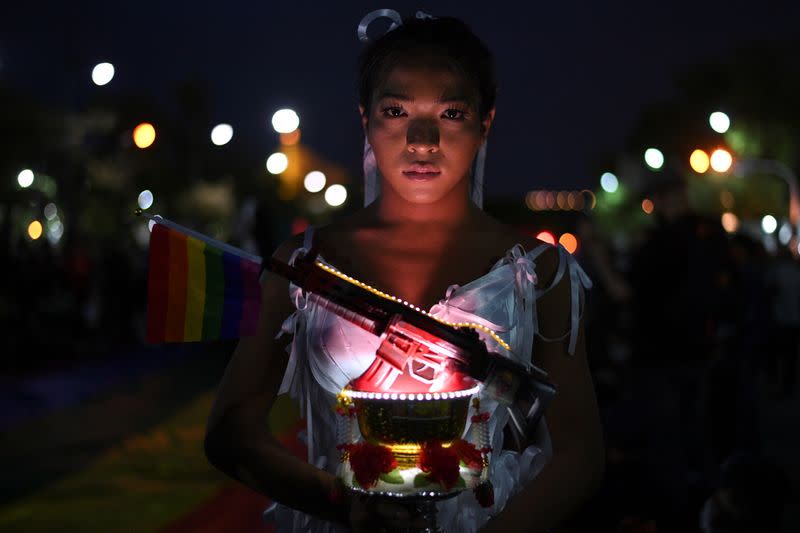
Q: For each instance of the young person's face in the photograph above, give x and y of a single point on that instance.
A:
(424, 133)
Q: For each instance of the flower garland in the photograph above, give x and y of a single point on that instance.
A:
(369, 461)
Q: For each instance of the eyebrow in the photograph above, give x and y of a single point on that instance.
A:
(444, 99)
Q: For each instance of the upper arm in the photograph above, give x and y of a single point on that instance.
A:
(572, 417)
(255, 370)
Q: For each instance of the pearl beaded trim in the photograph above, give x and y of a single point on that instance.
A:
(382, 294)
(410, 396)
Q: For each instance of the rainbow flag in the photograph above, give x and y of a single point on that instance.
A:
(199, 289)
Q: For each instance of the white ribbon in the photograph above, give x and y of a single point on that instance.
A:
(372, 16)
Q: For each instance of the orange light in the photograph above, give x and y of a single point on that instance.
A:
(547, 237)
(730, 222)
(647, 205)
(293, 137)
(561, 200)
(550, 199)
(721, 160)
(530, 200)
(699, 161)
(569, 241)
(144, 135)
(35, 230)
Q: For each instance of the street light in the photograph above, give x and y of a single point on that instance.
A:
(102, 73)
(609, 182)
(719, 121)
(654, 158)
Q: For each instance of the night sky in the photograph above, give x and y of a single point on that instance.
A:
(572, 75)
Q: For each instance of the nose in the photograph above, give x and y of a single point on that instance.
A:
(422, 136)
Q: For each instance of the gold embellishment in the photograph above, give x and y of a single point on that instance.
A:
(471, 325)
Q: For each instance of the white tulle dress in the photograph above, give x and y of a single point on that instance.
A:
(327, 352)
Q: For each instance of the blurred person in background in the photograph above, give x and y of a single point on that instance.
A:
(684, 306)
(783, 285)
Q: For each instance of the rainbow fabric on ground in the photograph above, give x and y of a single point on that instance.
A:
(199, 289)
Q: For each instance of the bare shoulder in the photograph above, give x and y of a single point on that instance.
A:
(286, 248)
(546, 262)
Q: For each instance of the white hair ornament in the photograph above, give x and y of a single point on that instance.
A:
(372, 178)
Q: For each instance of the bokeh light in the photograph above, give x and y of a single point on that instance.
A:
(314, 181)
(654, 158)
(221, 134)
(50, 211)
(730, 222)
(546, 236)
(699, 161)
(569, 241)
(145, 199)
(55, 230)
(25, 178)
(35, 230)
(726, 199)
(291, 138)
(144, 135)
(609, 182)
(647, 205)
(277, 163)
(785, 234)
(335, 195)
(102, 73)
(285, 121)
(769, 224)
(719, 121)
(721, 160)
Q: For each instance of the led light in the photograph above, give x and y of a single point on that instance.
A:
(277, 163)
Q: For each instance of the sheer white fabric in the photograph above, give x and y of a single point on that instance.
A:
(327, 352)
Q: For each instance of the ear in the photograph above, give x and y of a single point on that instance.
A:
(486, 124)
(362, 112)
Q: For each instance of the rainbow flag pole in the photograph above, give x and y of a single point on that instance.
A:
(198, 288)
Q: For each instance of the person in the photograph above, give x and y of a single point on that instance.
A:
(426, 100)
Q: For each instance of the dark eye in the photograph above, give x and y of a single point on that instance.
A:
(454, 114)
(392, 112)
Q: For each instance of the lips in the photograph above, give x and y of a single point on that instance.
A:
(422, 171)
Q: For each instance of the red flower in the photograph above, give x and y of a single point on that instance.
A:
(349, 410)
(468, 453)
(441, 464)
(484, 493)
(369, 461)
(481, 417)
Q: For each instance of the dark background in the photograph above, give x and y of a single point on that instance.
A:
(692, 328)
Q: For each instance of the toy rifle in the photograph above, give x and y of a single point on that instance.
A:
(413, 340)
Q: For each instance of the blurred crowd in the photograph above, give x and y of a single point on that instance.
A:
(690, 331)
